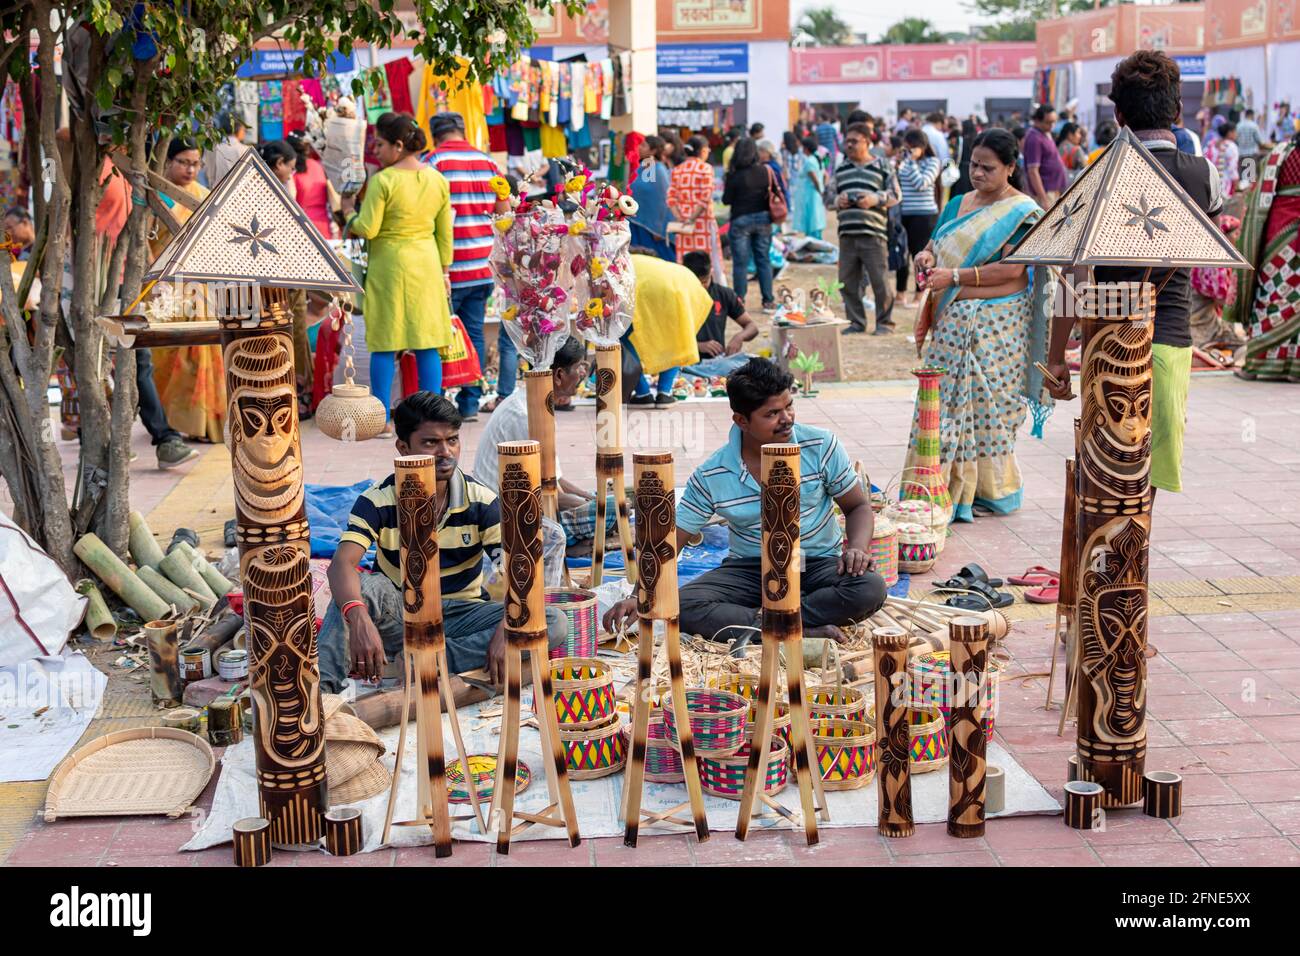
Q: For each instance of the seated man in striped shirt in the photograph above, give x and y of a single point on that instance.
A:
(363, 627)
(838, 584)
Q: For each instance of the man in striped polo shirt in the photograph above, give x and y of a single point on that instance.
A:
(864, 191)
(468, 172)
(363, 627)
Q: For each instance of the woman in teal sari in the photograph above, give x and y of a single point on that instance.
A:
(990, 326)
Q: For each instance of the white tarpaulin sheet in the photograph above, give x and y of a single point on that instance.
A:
(597, 801)
(38, 607)
(45, 707)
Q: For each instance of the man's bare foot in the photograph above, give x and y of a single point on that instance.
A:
(827, 630)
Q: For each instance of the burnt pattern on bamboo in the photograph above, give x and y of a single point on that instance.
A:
(1114, 526)
(780, 527)
(252, 841)
(656, 524)
(966, 740)
(521, 516)
(272, 533)
(343, 834)
(894, 782)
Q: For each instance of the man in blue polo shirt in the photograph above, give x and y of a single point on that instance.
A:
(838, 584)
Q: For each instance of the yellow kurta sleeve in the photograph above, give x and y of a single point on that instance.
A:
(370, 219)
(442, 228)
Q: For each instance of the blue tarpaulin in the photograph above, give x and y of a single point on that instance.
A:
(328, 507)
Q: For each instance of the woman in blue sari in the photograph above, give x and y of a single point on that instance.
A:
(990, 326)
(650, 190)
(809, 215)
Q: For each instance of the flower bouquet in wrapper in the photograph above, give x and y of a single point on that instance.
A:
(530, 268)
(597, 249)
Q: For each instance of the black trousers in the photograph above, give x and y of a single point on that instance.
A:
(152, 415)
(732, 595)
(919, 229)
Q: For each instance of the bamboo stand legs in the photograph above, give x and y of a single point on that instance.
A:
(609, 458)
(609, 468)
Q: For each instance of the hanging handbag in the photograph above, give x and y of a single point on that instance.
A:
(776, 205)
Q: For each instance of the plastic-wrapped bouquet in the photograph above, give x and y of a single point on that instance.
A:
(597, 249)
(532, 274)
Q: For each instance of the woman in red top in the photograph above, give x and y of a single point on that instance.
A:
(313, 187)
(690, 198)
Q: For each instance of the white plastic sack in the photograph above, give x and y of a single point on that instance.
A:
(38, 607)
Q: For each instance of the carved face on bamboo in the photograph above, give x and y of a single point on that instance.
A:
(264, 428)
(655, 523)
(1113, 630)
(895, 749)
(780, 528)
(521, 516)
(1117, 407)
(417, 521)
(282, 638)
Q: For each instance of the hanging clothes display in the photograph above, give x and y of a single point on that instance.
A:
(578, 95)
(246, 105)
(398, 73)
(295, 114)
(270, 115)
(606, 88)
(553, 142)
(378, 99)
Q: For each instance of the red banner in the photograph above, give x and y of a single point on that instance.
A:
(857, 64)
(1005, 60)
(954, 61)
(882, 63)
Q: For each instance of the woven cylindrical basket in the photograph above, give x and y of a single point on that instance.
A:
(583, 690)
(579, 608)
(593, 752)
(718, 720)
(917, 548)
(884, 550)
(663, 764)
(725, 776)
(846, 753)
(836, 703)
(930, 679)
(746, 685)
(922, 512)
(929, 739)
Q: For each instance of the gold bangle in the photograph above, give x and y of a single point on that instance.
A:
(977, 277)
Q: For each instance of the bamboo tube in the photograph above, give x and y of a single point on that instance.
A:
(609, 459)
(225, 722)
(120, 579)
(343, 835)
(657, 609)
(966, 743)
(165, 683)
(219, 632)
(252, 839)
(183, 718)
(176, 597)
(177, 568)
(144, 549)
(217, 582)
(540, 387)
(1114, 527)
(893, 734)
(99, 621)
(1164, 795)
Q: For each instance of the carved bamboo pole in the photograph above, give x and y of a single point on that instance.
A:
(275, 567)
(165, 684)
(1114, 463)
(525, 631)
(893, 733)
(966, 742)
(539, 385)
(609, 458)
(657, 607)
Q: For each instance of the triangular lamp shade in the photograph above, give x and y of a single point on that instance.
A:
(1125, 209)
(250, 230)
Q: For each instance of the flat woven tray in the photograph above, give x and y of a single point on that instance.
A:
(142, 771)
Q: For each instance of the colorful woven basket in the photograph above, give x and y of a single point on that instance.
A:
(929, 739)
(583, 689)
(832, 703)
(884, 550)
(483, 768)
(718, 720)
(931, 687)
(921, 511)
(917, 548)
(593, 752)
(663, 764)
(579, 608)
(725, 776)
(846, 753)
(746, 685)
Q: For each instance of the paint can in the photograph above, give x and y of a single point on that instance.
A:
(232, 665)
(196, 664)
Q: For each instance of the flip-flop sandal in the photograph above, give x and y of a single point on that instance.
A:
(968, 602)
(994, 597)
(1035, 576)
(973, 572)
(1044, 594)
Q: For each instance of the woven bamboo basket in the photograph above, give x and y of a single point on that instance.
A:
(593, 752)
(718, 721)
(625, 700)
(725, 776)
(846, 753)
(579, 608)
(746, 685)
(923, 512)
(136, 772)
(931, 683)
(663, 764)
(583, 691)
(917, 548)
(929, 739)
(483, 768)
(884, 550)
(836, 703)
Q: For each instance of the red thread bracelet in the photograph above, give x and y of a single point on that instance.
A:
(343, 612)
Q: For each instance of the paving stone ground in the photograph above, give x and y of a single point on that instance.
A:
(1223, 702)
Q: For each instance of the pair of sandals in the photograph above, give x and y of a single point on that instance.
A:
(975, 590)
(1042, 585)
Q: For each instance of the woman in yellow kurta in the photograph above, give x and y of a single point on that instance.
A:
(406, 214)
(191, 380)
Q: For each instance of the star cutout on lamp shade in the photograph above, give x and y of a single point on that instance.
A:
(255, 235)
(1145, 215)
(1067, 215)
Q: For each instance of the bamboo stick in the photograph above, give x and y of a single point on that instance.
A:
(141, 543)
(217, 583)
(178, 598)
(165, 683)
(99, 621)
(225, 722)
(893, 734)
(540, 387)
(120, 579)
(966, 742)
(176, 566)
